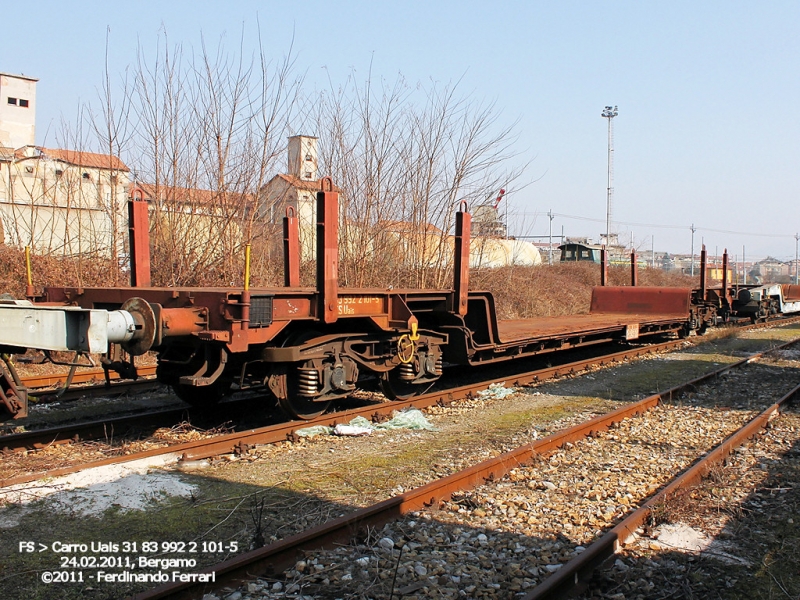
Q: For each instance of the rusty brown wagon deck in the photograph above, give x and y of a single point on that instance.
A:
(548, 327)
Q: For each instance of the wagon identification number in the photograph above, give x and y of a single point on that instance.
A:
(360, 305)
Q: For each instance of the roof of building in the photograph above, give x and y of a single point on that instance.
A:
(582, 244)
(769, 260)
(18, 76)
(73, 157)
(313, 185)
(187, 195)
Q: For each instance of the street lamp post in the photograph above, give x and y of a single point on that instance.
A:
(609, 113)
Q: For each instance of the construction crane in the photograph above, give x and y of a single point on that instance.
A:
(499, 198)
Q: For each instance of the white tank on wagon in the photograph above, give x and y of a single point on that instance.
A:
(497, 252)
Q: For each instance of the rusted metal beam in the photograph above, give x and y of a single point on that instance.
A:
(461, 260)
(703, 261)
(603, 266)
(328, 251)
(291, 248)
(622, 300)
(634, 269)
(725, 274)
(139, 238)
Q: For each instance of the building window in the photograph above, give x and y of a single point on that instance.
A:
(12, 100)
(308, 174)
(308, 158)
(29, 169)
(87, 176)
(59, 172)
(23, 103)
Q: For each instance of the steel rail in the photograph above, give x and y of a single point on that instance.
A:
(240, 442)
(576, 573)
(40, 383)
(100, 429)
(281, 555)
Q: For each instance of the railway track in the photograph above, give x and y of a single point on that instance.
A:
(481, 517)
(90, 378)
(106, 427)
(232, 582)
(241, 442)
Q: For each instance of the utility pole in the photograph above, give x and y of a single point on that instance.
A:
(693, 230)
(609, 113)
(550, 242)
(653, 252)
(744, 268)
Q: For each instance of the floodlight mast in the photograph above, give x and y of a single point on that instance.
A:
(609, 113)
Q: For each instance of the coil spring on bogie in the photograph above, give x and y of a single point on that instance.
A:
(438, 368)
(307, 382)
(406, 371)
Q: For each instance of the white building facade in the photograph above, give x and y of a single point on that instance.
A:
(53, 200)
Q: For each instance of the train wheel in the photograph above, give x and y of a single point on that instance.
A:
(298, 407)
(202, 396)
(395, 388)
(292, 403)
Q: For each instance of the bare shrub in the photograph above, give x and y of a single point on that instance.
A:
(54, 270)
(404, 157)
(561, 289)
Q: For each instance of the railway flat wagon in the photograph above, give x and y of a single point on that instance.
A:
(310, 346)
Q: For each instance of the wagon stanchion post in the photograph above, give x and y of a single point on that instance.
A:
(139, 238)
(291, 249)
(328, 251)
(603, 265)
(703, 273)
(30, 291)
(461, 262)
(725, 275)
(634, 269)
(246, 291)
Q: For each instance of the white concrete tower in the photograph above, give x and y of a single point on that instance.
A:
(17, 110)
(303, 157)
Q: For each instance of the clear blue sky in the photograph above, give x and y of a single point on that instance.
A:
(708, 93)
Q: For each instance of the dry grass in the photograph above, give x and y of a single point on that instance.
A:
(563, 289)
(55, 270)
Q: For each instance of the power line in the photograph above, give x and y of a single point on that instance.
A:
(657, 226)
